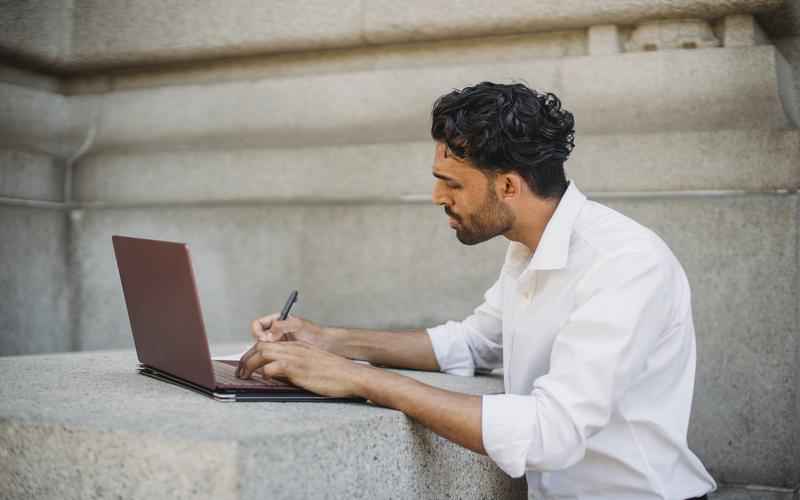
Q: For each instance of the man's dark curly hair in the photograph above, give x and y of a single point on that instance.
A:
(503, 128)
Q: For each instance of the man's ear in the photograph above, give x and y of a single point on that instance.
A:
(510, 184)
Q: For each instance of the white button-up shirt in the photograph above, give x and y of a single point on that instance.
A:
(594, 333)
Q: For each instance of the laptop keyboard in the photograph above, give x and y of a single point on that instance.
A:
(225, 376)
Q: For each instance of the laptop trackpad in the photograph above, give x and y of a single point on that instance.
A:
(225, 377)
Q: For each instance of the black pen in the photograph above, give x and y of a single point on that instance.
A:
(288, 306)
(284, 314)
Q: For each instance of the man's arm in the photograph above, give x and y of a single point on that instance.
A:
(323, 372)
(461, 423)
(411, 349)
(454, 347)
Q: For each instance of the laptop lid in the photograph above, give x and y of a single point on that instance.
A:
(164, 307)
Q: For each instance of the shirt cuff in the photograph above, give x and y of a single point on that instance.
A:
(451, 350)
(508, 428)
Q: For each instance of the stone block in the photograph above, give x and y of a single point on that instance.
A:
(38, 31)
(604, 40)
(30, 176)
(33, 281)
(37, 119)
(676, 90)
(747, 160)
(740, 254)
(120, 32)
(741, 30)
(90, 427)
(91, 34)
(664, 91)
(387, 21)
(490, 49)
(344, 173)
(707, 160)
(671, 34)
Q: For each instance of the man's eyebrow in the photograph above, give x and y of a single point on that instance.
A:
(443, 177)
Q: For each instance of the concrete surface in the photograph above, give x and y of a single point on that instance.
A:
(444, 53)
(88, 34)
(36, 30)
(88, 426)
(753, 493)
(28, 175)
(708, 160)
(741, 30)
(40, 120)
(33, 281)
(663, 91)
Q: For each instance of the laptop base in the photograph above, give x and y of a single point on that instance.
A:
(238, 396)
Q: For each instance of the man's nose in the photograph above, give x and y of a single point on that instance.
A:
(437, 196)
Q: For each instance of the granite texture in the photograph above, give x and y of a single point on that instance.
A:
(753, 493)
(92, 34)
(41, 120)
(443, 53)
(33, 281)
(90, 427)
(30, 176)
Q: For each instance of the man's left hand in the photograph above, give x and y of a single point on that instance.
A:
(305, 366)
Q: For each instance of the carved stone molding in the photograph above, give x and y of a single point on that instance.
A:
(672, 34)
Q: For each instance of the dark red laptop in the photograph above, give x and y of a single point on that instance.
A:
(167, 325)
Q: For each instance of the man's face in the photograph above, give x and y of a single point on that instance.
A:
(469, 198)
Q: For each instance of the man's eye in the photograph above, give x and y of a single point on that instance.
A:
(453, 185)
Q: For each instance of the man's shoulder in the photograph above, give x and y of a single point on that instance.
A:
(606, 232)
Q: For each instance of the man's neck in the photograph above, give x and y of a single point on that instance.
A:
(531, 221)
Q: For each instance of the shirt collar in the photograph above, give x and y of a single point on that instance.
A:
(553, 248)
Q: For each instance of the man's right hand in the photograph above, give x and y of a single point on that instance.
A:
(271, 329)
(411, 349)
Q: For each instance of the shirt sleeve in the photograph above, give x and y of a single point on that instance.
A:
(474, 344)
(622, 306)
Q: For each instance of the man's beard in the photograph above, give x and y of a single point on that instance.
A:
(492, 218)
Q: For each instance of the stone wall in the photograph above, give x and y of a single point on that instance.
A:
(287, 142)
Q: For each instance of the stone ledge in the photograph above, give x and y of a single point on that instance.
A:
(628, 93)
(86, 425)
(105, 33)
(706, 160)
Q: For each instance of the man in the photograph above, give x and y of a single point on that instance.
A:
(590, 319)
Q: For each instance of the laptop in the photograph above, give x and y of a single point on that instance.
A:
(168, 331)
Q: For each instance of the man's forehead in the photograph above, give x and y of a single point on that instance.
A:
(450, 165)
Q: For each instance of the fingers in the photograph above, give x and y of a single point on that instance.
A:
(283, 330)
(269, 352)
(276, 369)
(244, 358)
(259, 327)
